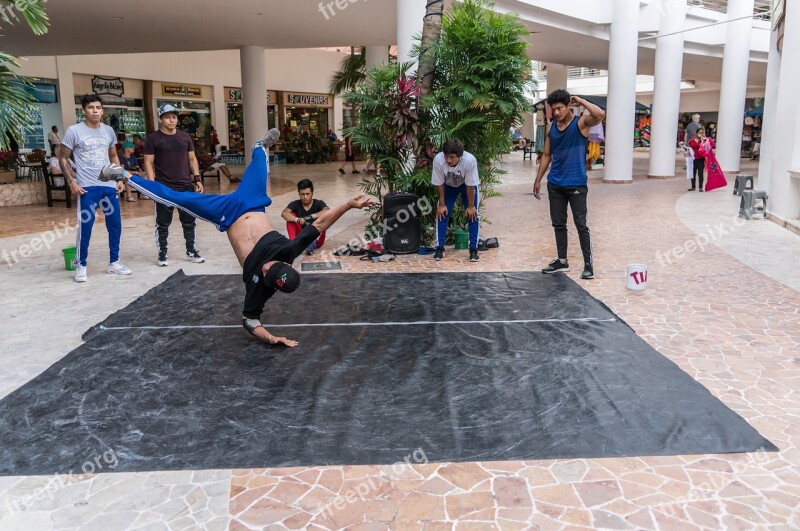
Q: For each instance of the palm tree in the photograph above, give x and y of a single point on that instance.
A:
(16, 103)
(431, 30)
(352, 72)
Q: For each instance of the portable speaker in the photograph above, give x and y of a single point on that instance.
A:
(401, 223)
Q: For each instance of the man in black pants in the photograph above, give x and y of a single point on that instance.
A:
(565, 146)
(168, 157)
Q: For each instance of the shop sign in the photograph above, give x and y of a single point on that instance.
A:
(181, 90)
(232, 160)
(233, 95)
(307, 100)
(108, 85)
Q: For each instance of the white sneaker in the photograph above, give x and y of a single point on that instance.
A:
(118, 268)
(80, 274)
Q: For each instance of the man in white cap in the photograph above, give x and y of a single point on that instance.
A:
(168, 157)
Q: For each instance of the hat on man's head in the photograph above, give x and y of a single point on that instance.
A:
(128, 145)
(166, 108)
(282, 277)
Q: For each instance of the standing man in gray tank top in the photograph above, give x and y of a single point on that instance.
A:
(565, 147)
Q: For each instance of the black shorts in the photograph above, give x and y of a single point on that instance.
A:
(350, 158)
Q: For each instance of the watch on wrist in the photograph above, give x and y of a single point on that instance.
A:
(197, 179)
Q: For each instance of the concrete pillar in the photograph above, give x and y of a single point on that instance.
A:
(733, 88)
(220, 116)
(377, 55)
(770, 113)
(66, 94)
(409, 24)
(784, 190)
(254, 96)
(621, 109)
(667, 89)
(556, 77)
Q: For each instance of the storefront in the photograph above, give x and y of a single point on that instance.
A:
(123, 101)
(194, 103)
(46, 114)
(308, 112)
(235, 109)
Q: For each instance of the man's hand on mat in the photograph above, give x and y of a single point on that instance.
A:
(262, 334)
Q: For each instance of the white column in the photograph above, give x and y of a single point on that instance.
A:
(409, 24)
(784, 191)
(770, 113)
(254, 95)
(733, 88)
(220, 116)
(621, 109)
(667, 89)
(556, 77)
(66, 94)
(377, 55)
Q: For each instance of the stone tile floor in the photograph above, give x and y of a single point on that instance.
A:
(723, 305)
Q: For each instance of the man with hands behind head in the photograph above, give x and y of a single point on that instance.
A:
(565, 146)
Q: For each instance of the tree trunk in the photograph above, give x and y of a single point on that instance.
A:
(431, 29)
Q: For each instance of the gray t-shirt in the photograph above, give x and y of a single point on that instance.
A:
(465, 172)
(90, 151)
(692, 129)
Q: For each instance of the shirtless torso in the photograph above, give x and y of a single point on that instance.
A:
(246, 231)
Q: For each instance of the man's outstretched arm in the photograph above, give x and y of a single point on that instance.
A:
(328, 217)
(257, 330)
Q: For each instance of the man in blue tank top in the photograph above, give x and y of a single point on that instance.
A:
(565, 147)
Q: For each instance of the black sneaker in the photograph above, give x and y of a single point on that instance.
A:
(556, 266)
(341, 171)
(473, 255)
(439, 254)
(162, 260)
(194, 256)
(588, 272)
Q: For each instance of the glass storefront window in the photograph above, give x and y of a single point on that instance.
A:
(194, 118)
(120, 119)
(314, 121)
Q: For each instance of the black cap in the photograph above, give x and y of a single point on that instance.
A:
(282, 277)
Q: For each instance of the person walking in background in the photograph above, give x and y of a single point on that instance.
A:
(168, 157)
(349, 154)
(54, 140)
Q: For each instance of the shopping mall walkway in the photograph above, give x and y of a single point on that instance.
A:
(722, 302)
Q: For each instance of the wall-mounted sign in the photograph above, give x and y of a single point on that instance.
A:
(234, 95)
(302, 99)
(108, 85)
(191, 91)
(232, 160)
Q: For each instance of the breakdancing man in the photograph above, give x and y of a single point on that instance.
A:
(264, 254)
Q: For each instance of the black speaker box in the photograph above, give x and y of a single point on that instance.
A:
(401, 223)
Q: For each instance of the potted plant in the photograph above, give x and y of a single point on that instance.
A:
(7, 161)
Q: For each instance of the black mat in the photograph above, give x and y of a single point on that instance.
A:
(549, 372)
